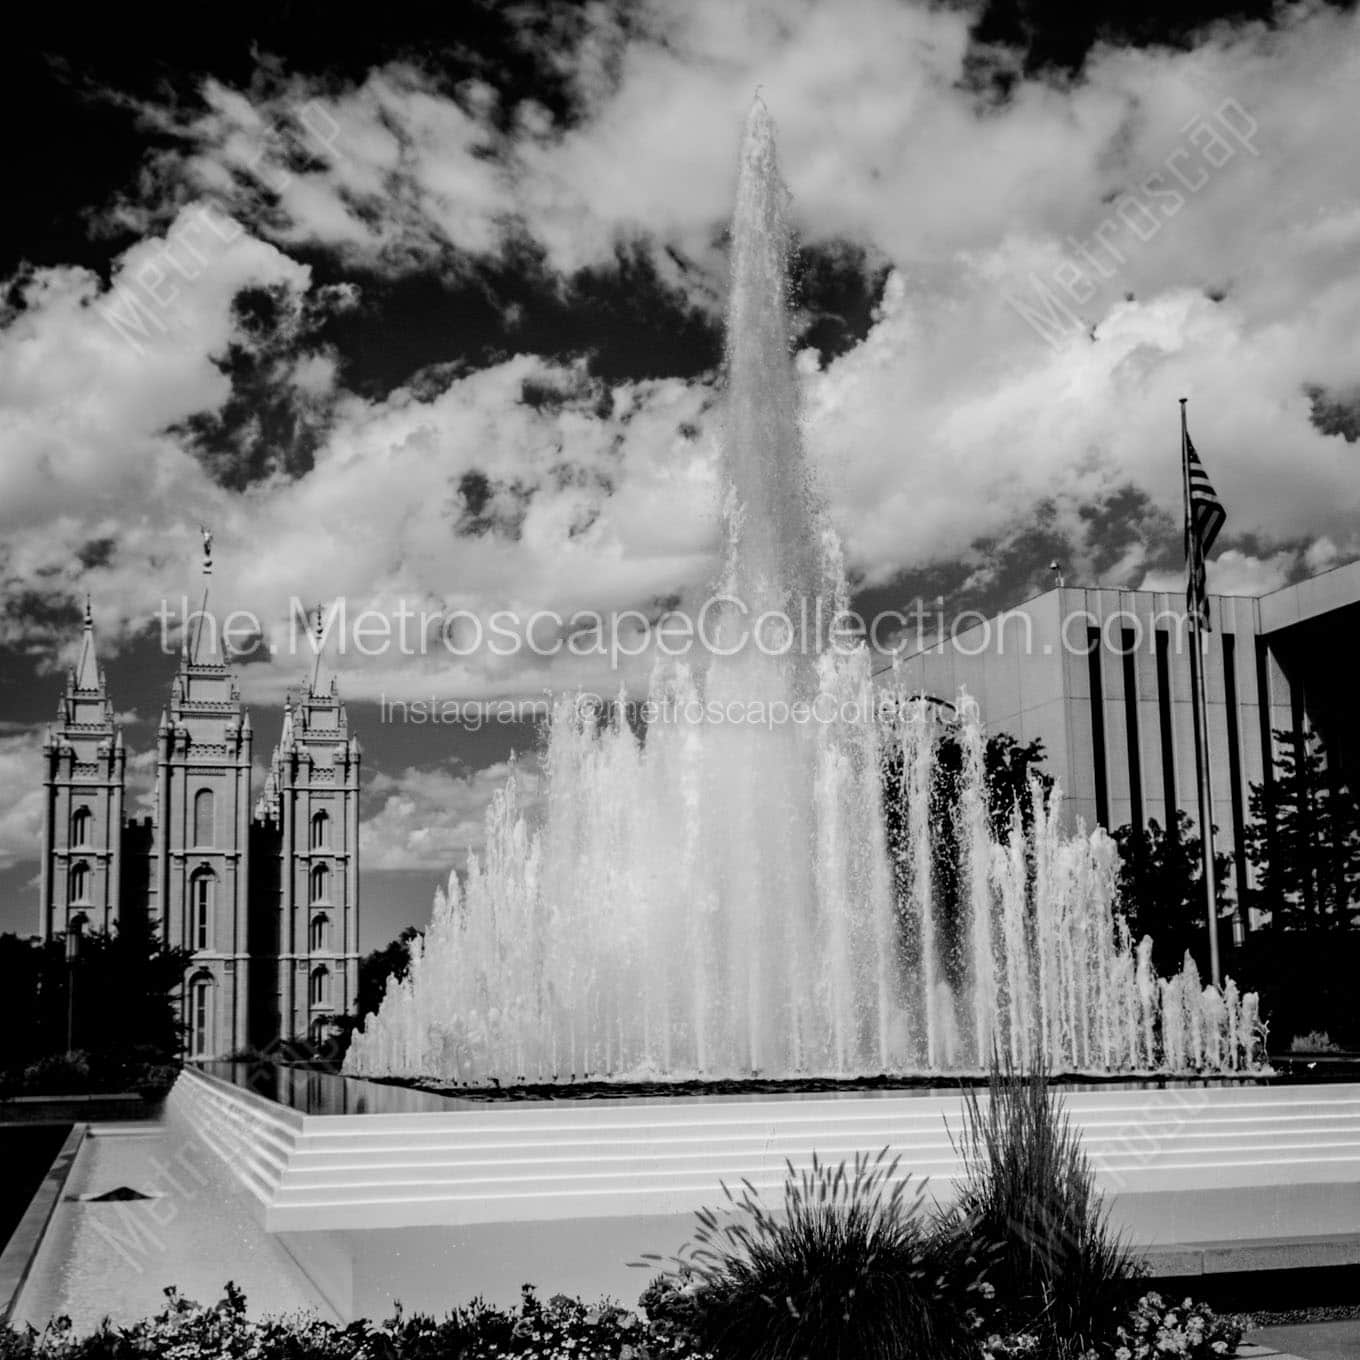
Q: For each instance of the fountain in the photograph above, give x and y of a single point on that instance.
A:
(718, 898)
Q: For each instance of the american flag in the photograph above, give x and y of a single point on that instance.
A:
(1204, 516)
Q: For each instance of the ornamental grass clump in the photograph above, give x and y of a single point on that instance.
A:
(850, 1268)
(1028, 1191)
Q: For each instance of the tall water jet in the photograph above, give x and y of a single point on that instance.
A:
(720, 898)
(776, 541)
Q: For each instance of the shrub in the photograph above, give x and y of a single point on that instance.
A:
(141, 1069)
(59, 1074)
(561, 1329)
(852, 1267)
(1029, 1193)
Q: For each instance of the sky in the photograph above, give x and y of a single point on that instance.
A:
(427, 314)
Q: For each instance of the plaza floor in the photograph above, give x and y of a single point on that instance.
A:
(115, 1258)
(1305, 1341)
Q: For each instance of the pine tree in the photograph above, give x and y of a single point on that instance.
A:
(1304, 840)
(1161, 890)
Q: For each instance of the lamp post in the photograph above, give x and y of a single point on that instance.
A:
(75, 934)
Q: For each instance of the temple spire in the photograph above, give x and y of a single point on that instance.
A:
(87, 668)
(205, 651)
(316, 651)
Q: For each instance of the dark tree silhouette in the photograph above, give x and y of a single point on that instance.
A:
(1304, 840)
(392, 960)
(124, 1015)
(1161, 891)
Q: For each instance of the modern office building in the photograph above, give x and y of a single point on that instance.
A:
(1103, 678)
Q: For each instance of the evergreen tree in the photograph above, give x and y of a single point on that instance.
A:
(380, 964)
(1304, 840)
(124, 1013)
(1161, 890)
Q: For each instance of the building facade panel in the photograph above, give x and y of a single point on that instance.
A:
(1124, 747)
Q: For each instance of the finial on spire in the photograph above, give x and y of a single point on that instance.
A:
(89, 611)
(207, 548)
(316, 649)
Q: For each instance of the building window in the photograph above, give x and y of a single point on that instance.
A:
(318, 936)
(321, 831)
(320, 986)
(200, 1017)
(203, 817)
(1128, 642)
(1168, 733)
(1097, 726)
(321, 877)
(80, 883)
(81, 822)
(200, 909)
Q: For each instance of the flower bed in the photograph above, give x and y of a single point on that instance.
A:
(558, 1329)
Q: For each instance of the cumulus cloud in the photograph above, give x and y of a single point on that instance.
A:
(21, 796)
(390, 171)
(1234, 573)
(955, 422)
(431, 818)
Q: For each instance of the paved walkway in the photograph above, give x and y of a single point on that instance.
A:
(1305, 1341)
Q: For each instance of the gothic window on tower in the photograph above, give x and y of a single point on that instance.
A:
(318, 936)
(320, 986)
(200, 904)
(80, 883)
(81, 822)
(203, 817)
(321, 831)
(200, 1016)
(321, 877)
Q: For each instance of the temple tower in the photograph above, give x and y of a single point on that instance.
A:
(84, 763)
(312, 793)
(202, 856)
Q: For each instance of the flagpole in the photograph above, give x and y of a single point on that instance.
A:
(1203, 775)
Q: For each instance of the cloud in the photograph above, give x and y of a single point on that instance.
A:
(91, 380)
(1234, 573)
(21, 796)
(955, 429)
(430, 819)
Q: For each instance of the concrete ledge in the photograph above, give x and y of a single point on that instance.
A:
(16, 1263)
(1263, 1253)
(1208, 1180)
